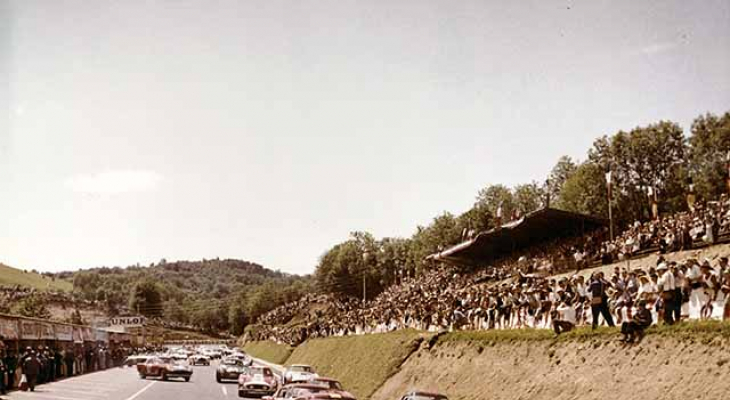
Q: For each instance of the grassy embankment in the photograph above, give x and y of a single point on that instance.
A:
(697, 330)
(269, 351)
(10, 276)
(361, 363)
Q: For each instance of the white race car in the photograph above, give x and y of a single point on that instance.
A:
(299, 373)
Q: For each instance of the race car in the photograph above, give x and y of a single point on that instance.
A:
(257, 381)
(133, 361)
(308, 391)
(199, 359)
(299, 373)
(229, 369)
(416, 395)
(164, 368)
(333, 385)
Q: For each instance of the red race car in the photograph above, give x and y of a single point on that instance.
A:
(257, 381)
(164, 368)
(309, 391)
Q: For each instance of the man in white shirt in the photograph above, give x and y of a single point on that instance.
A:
(666, 290)
(564, 321)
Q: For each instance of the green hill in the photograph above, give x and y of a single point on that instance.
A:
(10, 276)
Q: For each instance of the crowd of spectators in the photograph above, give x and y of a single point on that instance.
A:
(522, 291)
(47, 363)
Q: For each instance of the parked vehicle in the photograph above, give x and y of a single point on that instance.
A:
(164, 368)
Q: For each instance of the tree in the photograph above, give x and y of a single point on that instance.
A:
(709, 151)
(528, 197)
(585, 191)
(146, 298)
(444, 231)
(561, 172)
(650, 157)
(492, 197)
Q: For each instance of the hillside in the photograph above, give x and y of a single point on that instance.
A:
(10, 276)
(214, 295)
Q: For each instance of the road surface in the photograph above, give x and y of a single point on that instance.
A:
(125, 384)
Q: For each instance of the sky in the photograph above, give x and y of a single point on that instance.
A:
(269, 130)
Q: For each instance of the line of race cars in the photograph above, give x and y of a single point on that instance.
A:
(298, 382)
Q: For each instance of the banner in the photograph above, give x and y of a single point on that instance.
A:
(127, 321)
(30, 330)
(45, 331)
(65, 333)
(9, 328)
(89, 335)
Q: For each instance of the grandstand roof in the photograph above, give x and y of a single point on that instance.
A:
(534, 228)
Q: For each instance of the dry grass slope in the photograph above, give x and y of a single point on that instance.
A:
(361, 363)
(268, 351)
(12, 276)
(689, 361)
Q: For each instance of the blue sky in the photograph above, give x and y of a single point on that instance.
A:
(268, 130)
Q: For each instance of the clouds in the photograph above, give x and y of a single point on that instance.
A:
(114, 182)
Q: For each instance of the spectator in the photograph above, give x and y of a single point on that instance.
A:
(640, 321)
(564, 320)
(31, 369)
(599, 299)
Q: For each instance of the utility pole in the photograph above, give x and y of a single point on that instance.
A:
(364, 292)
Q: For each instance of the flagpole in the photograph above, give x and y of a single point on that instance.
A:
(610, 209)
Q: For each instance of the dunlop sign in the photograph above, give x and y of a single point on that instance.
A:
(127, 321)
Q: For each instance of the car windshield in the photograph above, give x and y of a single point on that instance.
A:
(261, 371)
(300, 368)
(232, 361)
(330, 384)
(427, 397)
(164, 360)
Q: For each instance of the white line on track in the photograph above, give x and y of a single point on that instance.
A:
(134, 396)
(224, 390)
(41, 395)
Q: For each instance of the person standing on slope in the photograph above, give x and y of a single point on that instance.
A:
(599, 299)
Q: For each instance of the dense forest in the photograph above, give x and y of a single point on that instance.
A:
(214, 295)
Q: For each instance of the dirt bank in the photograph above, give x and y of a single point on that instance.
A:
(661, 367)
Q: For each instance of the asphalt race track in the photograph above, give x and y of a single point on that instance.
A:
(125, 384)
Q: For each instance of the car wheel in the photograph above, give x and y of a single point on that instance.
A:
(142, 376)
(187, 379)
(164, 376)
(241, 394)
(217, 378)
